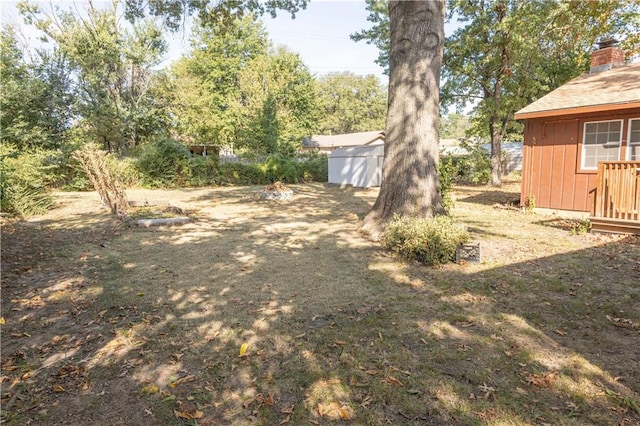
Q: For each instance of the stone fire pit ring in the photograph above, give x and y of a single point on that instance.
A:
(276, 195)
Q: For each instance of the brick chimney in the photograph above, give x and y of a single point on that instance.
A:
(608, 56)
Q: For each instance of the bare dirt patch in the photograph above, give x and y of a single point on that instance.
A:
(276, 312)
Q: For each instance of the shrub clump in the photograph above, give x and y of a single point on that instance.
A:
(24, 177)
(429, 241)
(471, 169)
(165, 163)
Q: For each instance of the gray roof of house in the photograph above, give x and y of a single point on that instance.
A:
(618, 88)
(348, 139)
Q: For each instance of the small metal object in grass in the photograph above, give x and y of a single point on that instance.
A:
(468, 253)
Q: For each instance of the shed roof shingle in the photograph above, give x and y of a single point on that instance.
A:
(615, 89)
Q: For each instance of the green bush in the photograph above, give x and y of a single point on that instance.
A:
(168, 163)
(24, 177)
(278, 168)
(240, 174)
(475, 168)
(164, 163)
(314, 169)
(204, 170)
(447, 172)
(471, 169)
(126, 170)
(429, 241)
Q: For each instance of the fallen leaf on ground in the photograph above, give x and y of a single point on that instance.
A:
(542, 380)
(150, 389)
(345, 412)
(185, 379)
(243, 349)
(489, 391)
(197, 414)
(393, 381)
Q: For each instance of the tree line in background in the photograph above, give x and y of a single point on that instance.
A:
(97, 80)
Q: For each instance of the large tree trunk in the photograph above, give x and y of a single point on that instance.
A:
(496, 152)
(497, 127)
(410, 184)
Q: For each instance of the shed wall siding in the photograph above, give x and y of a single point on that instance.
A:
(551, 176)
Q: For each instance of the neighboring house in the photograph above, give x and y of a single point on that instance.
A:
(329, 143)
(589, 124)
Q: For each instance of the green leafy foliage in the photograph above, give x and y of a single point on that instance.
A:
(447, 172)
(240, 174)
(351, 103)
(454, 126)
(164, 163)
(126, 170)
(35, 108)
(112, 70)
(258, 101)
(217, 13)
(314, 169)
(24, 177)
(169, 164)
(473, 168)
(275, 168)
(379, 34)
(204, 170)
(280, 100)
(429, 241)
(209, 78)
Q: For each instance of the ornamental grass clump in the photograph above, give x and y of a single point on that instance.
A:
(429, 241)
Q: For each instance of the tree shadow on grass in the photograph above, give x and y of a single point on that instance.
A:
(144, 326)
(489, 198)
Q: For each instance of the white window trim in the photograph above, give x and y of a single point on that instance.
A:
(629, 143)
(584, 134)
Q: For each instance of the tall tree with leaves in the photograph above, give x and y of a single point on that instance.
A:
(113, 71)
(208, 79)
(280, 100)
(508, 53)
(35, 96)
(351, 103)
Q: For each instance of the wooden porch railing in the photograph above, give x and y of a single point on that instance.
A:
(617, 194)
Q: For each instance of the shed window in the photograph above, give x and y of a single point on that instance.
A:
(601, 142)
(633, 149)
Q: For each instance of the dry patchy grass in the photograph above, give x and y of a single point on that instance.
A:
(262, 312)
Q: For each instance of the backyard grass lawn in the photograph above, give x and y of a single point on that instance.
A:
(268, 312)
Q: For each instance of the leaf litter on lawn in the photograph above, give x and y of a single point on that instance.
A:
(283, 313)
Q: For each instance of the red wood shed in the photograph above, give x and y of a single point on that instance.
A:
(590, 123)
